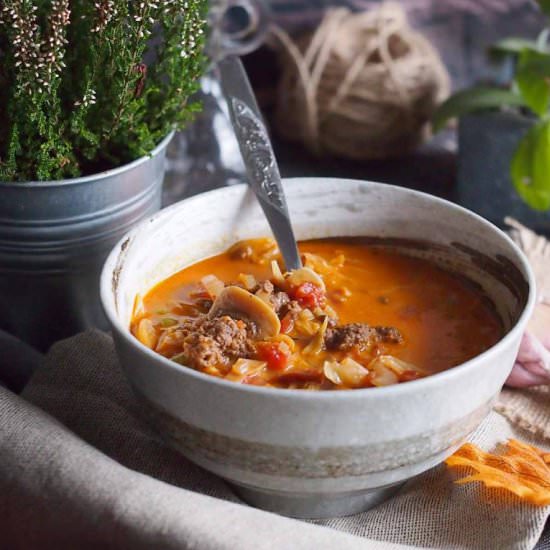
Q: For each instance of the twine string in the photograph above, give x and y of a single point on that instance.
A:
(367, 76)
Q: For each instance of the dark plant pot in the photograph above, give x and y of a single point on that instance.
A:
(487, 143)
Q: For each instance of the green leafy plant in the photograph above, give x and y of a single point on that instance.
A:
(87, 85)
(529, 93)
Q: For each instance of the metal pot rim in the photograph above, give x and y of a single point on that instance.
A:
(96, 177)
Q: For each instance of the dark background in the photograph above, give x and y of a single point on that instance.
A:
(461, 30)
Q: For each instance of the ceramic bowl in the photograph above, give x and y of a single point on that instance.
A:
(318, 454)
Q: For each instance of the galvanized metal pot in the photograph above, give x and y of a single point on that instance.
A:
(54, 238)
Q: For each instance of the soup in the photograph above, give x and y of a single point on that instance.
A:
(356, 316)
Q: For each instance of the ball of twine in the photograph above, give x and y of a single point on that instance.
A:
(361, 86)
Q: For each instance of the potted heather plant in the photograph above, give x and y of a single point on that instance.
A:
(90, 94)
(504, 136)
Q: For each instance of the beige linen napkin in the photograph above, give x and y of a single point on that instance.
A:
(60, 491)
(95, 476)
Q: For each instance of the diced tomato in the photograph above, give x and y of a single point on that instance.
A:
(308, 295)
(273, 354)
(287, 324)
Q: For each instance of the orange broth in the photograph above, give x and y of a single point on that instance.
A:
(443, 318)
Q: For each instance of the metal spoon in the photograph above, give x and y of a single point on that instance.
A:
(259, 160)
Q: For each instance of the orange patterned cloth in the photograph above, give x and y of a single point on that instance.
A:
(521, 469)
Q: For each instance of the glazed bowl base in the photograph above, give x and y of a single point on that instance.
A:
(313, 505)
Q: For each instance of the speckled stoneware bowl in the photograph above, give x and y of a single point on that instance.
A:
(317, 454)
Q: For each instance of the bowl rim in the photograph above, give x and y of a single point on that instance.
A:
(157, 360)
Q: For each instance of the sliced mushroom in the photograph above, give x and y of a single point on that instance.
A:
(241, 304)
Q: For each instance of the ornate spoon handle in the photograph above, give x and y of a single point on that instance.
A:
(259, 160)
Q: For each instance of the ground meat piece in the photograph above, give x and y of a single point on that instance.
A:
(332, 322)
(291, 308)
(277, 298)
(279, 301)
(389, 335)
(265, 286)
(204, 304)
(359, 335)
(348, 336)
(216, 342)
